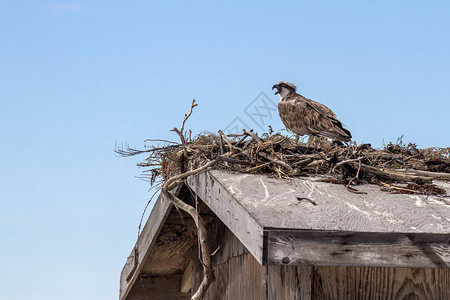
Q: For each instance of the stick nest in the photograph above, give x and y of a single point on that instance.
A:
(397, 168)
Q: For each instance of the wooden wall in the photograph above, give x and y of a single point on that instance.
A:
(381, 283)
(240, 276)
(157, 288)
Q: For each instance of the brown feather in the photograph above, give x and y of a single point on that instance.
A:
(306, 116)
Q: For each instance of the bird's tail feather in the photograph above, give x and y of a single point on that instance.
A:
(336, 136)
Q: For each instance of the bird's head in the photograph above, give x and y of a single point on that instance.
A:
(284, 88)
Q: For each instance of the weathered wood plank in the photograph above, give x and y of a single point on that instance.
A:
(151, 229)
(289, 282)
(158, 288)
(230, 212)
(376, 283)
(225, 242)
(238, 274)
(273, 202)
(186, 280)
(240, 278)
(283, 282)
(306, 282)
(301, 247)
(173, 246)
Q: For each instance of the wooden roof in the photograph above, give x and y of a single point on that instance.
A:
(274, 203)
(308, 222)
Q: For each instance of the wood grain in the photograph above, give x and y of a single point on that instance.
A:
(273, 203)
(151, 229)
(173, 247)
(330, 248)
(229, 211)
(289, 282)
(306, 279)
(225, 241)
(186, 279)
(158, 288)
(241, 277)
(370, 283)
(238, 274)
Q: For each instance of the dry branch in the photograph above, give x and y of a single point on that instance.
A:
(181, 131)
(230, 146)
(276, 161)
(390, 175)
(253, 135)
(205, 249)
(435, 175)
(346, 161)
(166, 189)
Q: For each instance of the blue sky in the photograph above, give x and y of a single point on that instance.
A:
(79, 76)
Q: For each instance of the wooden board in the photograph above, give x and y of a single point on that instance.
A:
(238, 274)
(241, 277)
(158, 288)
(186, 279)
(273, 203)
(371, 283)
(135, 261)
(224, 242)
(173, 246)
(302, 247)
(289, 282)
(230, 212)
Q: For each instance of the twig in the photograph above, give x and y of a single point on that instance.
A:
(303, 162)
(221, 145)
(253, 135)
(217, 250)
(399, 188)
(159, 140)
(258, 167)
(314, 164)
(233, 160)
(242, 139)
(181, 131)
(227, 140)
(276, 161)
(344, 162)
(359, 168)
(351, 189)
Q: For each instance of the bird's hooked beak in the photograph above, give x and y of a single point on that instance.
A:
(276, 87)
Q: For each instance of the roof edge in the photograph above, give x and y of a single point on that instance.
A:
(224, 205)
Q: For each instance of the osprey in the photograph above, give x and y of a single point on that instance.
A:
(305, 116)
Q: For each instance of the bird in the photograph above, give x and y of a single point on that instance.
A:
(304, 116)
